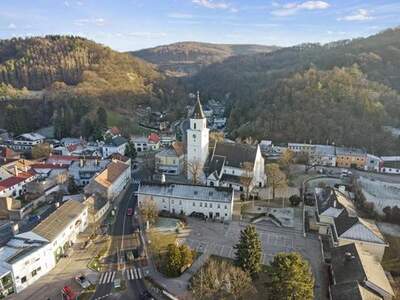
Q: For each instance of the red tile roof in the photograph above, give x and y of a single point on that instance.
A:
(153, 137)
(10, 182)
(49, 166)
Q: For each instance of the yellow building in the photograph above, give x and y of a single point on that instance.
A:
(351, 158)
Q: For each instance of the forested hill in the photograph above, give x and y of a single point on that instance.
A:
(187, 58)
(297, 105)
(38, 62)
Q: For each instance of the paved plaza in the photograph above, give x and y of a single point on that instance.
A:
(214, 238)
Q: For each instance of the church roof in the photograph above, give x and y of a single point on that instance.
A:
(198, 109)
(236, 154)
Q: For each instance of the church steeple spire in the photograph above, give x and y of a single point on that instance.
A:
(198, 109)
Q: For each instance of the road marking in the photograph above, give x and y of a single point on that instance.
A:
(101, 277)
(139, 273)
(112, 277)
(136, 275)
(131, 272)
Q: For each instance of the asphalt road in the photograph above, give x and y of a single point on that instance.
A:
(121, 234)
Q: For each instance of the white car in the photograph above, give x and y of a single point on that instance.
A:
(82, 281)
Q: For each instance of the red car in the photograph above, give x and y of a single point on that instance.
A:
(129, 211)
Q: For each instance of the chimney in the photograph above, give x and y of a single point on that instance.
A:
(348, 256)
(16, 170)
(162, 178)
(14, 228)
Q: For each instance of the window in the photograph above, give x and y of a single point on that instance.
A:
(23, 279)
(172, 201)
(205, 204)
(210, 205)
(194, 125)
(201, 204)
(226, 207)
(34, 272)
(163, 200)
(180, 202)
(194, 203)
(219, 206)
(226, 214)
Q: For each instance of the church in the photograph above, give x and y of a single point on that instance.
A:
(221, 163)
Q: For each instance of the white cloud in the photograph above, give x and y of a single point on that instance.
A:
(66, 3)
(94, 21)
(180, 16)
(292, 8)
(360, 15)
(12, 26)
(212, 4)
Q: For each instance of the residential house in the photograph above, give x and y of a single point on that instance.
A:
(149, 143)
(302, 148)
(356, 275)
(97, 208)
(212, 202)
(26, 141)
(167, 139)
(374, 163)
(110, 182)
(330, 204)
(15, 186)
(390, 164)
(84, 169)
(351, 158)
(349, 229)
(171, 160)
(11, 167)
(30, 255)
(323, 155)
(120, 158)
(7, 153)
(116, 144)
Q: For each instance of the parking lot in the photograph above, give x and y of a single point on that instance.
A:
(218, 239)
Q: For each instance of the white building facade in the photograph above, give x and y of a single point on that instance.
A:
(212, 202)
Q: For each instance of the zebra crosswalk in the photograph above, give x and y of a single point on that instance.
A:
(133, 273)
(107, 277)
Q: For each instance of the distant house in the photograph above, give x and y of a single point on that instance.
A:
(348, 229)
(390, 164)
(110, 182)
(356, 275)
(149, 143)
(15, 186)
(7, 153)
(212, 202)
(116, 144)
(97, 208)
(25, 142)
(121, 158)
(83, 169)
(351, 158)
(302, 148)
(167, 140)
(171, 160)
(323, 155)
(330, 204)
(374, 163)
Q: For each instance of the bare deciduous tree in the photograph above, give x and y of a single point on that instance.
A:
(275, 178)
(148, 210)
(194, 170)
(246, 178)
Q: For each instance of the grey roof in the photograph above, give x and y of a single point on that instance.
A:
(230, 178)
(350, 151)
(187, 191)
(235, 154)
(54, 224)
(198, 109)
(352, 263)
(352, 291)
(215, 164)
(326, 199)
(357, 229)
(117, 141)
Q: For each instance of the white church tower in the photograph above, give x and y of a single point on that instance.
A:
(197, 144)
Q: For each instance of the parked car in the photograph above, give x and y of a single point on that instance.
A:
(129, 211)
(82, 281)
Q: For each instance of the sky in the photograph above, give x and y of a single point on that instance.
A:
(135, 24)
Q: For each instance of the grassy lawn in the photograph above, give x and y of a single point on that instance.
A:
(158, 246)
(391, 262)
